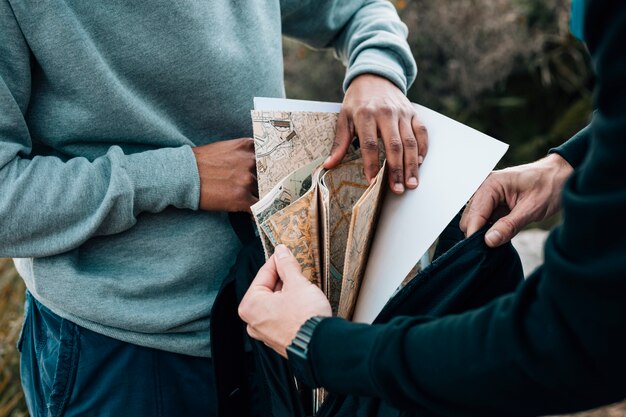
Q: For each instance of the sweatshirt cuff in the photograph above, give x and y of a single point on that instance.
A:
(340, 355)
(164, 177)
(386, 63)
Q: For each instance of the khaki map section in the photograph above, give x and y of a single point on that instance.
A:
(345, 184)
(288, 190)
(362, 227)
(297, 228)
(287, 141)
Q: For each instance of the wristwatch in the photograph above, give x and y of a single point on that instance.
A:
(298, 352)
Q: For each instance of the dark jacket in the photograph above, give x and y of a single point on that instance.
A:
(254, 380)
(555, 345)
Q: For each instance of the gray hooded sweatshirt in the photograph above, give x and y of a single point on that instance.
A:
(100, 105)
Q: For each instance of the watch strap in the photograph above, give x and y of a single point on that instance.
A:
(298, 352)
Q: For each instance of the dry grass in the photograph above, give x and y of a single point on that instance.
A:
(11, 305)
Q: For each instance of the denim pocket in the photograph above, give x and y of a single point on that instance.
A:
(50, 358)
(20, 339)
(65, 372)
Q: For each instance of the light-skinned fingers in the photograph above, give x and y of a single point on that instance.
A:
(287, 266)
(463, 221)
(343, 138)
(247, 309)
(478, 211)
(508, 226)
(267, 277)
(365, 126)
(410, 155)
(252, 333)
(421, 135)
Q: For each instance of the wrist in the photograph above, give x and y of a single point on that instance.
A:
(369, 80)
(559, 166)
(298, 352)
(384, 63)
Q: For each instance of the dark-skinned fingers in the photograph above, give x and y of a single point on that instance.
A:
(248, 144)
(421, 134)
(365, 126)
(390, 133)
(244, 202)
(252, 200)
(250, 163)
(410, 154)
(343, 138)
(254, 188)
(249, 182)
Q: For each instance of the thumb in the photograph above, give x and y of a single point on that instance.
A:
(506, 227)
(287, 266)
(267, 277)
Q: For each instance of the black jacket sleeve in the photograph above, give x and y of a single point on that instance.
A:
(558, 343)
(575, 149)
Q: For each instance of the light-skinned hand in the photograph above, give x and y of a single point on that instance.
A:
(373, 108)
(280, 300)
(515, 197)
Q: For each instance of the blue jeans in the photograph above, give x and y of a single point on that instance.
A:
(70, 371)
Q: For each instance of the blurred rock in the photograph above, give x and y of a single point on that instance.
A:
(529, 245)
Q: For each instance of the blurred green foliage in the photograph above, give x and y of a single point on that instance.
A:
(11, 305)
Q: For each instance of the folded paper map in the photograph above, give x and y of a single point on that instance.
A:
(326, 217)
(355, 240)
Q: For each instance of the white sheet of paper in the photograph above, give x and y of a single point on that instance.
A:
(458, 161)
(284, 104)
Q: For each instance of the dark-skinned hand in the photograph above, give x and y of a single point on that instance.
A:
(227, 175)
(373, 108)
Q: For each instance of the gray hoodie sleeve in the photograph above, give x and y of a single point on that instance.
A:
(367, 35)
(90, 197)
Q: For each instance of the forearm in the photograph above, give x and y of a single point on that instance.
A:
(375, 42)
(367, 35)
(49, 206)
(517, 356)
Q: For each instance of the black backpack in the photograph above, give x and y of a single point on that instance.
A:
(252, 380)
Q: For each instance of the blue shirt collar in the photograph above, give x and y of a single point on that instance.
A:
(577, 19)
